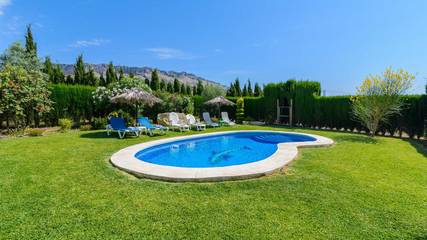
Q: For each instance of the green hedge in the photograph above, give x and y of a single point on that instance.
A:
(72, 101)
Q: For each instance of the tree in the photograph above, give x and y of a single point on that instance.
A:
(58, 74)
(212, 91)
(176, 86)
(240, 110)
(110, 75)
(79, 71)
(169, 87)
(379, 97)
(69, 80)
(257, 90)
(237, 88)
(188, 90)
(91, 78)
(48, 69)
(163, 85)
(155, 81)
(245, 91)
(200, 87)
(250, 92)
(131, 74)
(102, 80)
(121, 73)
(182, 89)
(231, 91)
(194, 90)
(30, 44)
(147, 81)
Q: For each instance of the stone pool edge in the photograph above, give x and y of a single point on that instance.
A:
(125, 160)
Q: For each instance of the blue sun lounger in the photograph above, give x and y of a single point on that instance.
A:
(149, 127)
(118, 125)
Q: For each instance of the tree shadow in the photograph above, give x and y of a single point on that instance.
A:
(356, 139)
(98, 134)
(420, 146)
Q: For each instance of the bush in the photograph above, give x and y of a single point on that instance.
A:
(65, 124)
(35, 132)
(99, 123)
(85, 127)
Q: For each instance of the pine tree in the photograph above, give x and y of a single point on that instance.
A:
(121, 73)
(231, 91)
(30, 44)
(110, 75)
(79, 71)
(200, 87)
(194, 90)
(257, 90)
(188, 91)
(163, 85)
(237, 89)
(250, 93)
(169, 87)
(48, 69)
(155, 81)
(245, 91)
(176, 86)
(183, 89)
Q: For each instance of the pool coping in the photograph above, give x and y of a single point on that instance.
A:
(286, 152)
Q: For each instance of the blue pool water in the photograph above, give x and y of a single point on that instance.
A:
(218, 151)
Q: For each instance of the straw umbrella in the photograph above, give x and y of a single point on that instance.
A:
(137, 97)
(220, 101)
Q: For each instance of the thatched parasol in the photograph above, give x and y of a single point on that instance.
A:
(137, 97)
(220, 101)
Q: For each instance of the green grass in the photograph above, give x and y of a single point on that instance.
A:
(62, 186)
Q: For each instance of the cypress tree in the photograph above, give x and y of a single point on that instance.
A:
(155, 81)
(102, 81)
(30, 44)
(194, 90)
(79, 71)
(250, 93)
(257, 90)
(231, 91)
(58, 74)
(69, 80)
(188, 91)
(245, 91)
(199, 87)
(110, 75)
(147, 82)
(121, 73)
(176, 86)
(131, 74)
(163, 85)
(91, 78)
(237, 89)
(183, 89)
(48, 69)
(169, 87)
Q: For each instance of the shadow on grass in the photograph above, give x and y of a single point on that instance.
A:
(419, 146)
(99, 134)
(355, 139)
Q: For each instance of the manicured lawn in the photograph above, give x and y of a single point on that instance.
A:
(62, 186)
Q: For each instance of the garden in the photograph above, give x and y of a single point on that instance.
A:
(57, 181)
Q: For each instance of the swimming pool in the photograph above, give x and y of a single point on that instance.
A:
(215, 156)
(222, 150)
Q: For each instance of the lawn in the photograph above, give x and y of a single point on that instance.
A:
(62, 186)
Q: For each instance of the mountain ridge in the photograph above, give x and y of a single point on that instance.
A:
(145, 72)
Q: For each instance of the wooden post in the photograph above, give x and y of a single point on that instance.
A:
(290, 113)
(278, 112)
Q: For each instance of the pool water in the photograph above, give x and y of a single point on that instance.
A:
(218, 150)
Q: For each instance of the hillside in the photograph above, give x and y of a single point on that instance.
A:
(145, 72)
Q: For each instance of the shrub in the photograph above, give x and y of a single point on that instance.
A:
(85, 127)
(65, 124)
(35, 132)
(240, 112)
(99, 123)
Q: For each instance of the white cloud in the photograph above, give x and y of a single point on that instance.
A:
(3, 4)
(89, 43)
(170, 53)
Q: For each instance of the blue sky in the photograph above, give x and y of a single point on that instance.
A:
(335, 42)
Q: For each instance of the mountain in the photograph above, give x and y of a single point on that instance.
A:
(145, 72)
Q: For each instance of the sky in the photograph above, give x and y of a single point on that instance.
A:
(337, 43)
